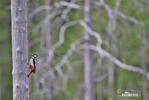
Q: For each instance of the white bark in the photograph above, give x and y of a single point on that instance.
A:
(19, 49)
(144, 66)
(144, 84)
(88, 60)
(47, 30)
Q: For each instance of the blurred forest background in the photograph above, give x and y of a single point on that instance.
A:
(67, 36)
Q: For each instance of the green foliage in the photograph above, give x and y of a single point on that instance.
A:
(5, 52)
(111, 3)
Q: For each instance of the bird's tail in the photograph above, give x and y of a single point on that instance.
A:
(29, 74)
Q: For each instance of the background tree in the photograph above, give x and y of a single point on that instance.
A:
(88, 56)
(48, 32)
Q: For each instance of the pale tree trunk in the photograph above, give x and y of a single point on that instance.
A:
(111, 80)
(144, 66)
(20, 49)
(88, 61)
(0, 85)
(100, 84)
(111, 69)
(144, 85)
(100, 95)
(48, 47)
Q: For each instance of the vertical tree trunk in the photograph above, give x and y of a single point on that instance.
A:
(19, 49)
(1, 84)
(100, 96)
(144, 86)
(111, 80)
(111, 69)
(100, 84)
(144, 66)
(88, 61)
(48, 47)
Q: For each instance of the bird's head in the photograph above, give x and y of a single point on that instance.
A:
(34, 56)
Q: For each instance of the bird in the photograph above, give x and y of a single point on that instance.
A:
(32, 64)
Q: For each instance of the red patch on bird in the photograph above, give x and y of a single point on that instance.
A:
(31, 68)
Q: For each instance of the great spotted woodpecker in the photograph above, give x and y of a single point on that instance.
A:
(32, 64)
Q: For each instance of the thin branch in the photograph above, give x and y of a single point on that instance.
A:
(67, 10)
(131, 19)
(61, 37)
(91, 32)
(48, 18)
(104, 53)
(39, 9)
(66, 57)
(67, 4)
(116, 12)
(118, 62)
(57, 5)
(101, 78)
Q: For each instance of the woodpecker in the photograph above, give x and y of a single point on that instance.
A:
(32, 64)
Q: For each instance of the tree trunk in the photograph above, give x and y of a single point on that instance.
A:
(48, 47)
(88, 61)
(144, 86)
(144, 66)
(111, 69)
(20, 49)
(111, 80)
(100, 84)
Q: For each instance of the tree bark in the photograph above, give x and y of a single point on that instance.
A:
(19, 49)
(111, 80)
(144, 66)
(88, 61)
(111, 69)
(48, 47)
(144, 85)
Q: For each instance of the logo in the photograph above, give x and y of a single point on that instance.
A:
(128, 93)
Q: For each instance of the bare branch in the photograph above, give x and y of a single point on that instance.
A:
(116, 12)
(57, 5)
(104, 53)
(67, 4)
(61, 37)
(66, 57)
(67, 10)
(37, 10)
(131, 19)
(91, 32)
(117, 5)
(48, 18)
(118, 62)
(101, 78)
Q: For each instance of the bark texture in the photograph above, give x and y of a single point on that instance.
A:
(48, 47)
(144, 67)
(19, 49)
(144, 85)
(88, 61)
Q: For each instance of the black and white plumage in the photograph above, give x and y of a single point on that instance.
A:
(32, 64)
